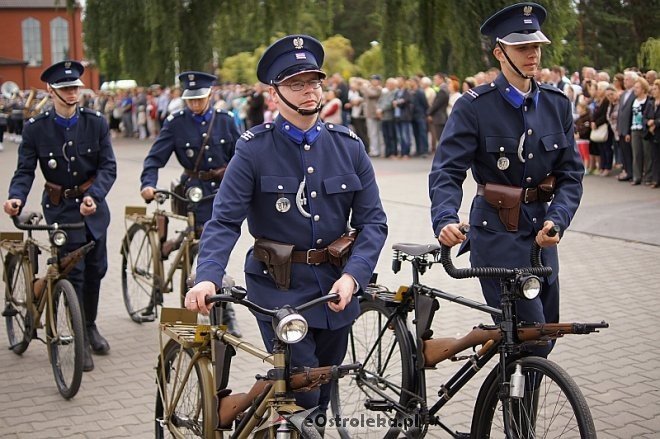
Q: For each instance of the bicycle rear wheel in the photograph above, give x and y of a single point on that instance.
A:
(66, 339)
(192, 415)
(19, 323)
(552, 405)
(139, 268)
(386, 376)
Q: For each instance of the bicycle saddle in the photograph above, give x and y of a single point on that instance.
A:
(416, 249)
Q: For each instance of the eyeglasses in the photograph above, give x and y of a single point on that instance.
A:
(300, 85)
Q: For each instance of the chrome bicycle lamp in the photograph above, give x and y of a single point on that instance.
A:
(58, 238)
(530, 286)
(195, 194)
(290, 327)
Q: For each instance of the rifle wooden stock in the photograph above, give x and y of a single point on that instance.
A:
(229, 406)
(66, 265)
(440, 349)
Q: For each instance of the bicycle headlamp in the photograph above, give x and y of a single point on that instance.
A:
(530, 286)
(195, 194)
(58, 238)
(290, 327)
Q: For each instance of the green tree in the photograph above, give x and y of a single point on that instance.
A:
(649, 54)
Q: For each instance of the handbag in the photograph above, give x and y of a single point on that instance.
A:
(600, 134)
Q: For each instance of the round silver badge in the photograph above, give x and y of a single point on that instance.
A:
(283, 204)
(503, 163)
(52, 163)
(190, 153)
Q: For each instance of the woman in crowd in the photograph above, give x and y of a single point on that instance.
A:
(603, 164)
(331, 111)
(454, 93)
(651, 120)
(582, 132)
(641, 149)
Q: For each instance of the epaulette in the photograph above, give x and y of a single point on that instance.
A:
(256, 130)
(43, 115)
(473, 93)
(341, 129)
(225, 112)
(173, 115)
(553, 89)
(84, 110)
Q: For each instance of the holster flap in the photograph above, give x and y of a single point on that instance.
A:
(277, 257)
(506, 199)
(546, 189)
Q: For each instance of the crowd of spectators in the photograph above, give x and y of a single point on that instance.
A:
(401, 117)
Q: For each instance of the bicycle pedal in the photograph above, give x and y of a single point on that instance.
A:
(378, 405)
(10, 311)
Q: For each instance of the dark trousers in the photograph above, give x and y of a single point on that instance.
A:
(389, 137)
(606, 155)
(421, 137)
(655, 151)
(86, 277)
(626, 156)
(320, 347)
(543, 309)
(360, 127)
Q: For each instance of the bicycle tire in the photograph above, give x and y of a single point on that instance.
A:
(390, 368)
(562, 410)
(66, 343)
(18, 282)
(186, 271)
(139, 273)
(193, 415)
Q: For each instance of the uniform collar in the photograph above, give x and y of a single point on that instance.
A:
(511, 95)
(296, 134)
(203, 117)
(64, 122)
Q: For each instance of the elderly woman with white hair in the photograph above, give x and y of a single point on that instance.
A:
(599, 118)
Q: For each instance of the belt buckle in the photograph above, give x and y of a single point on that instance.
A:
(68, 193)
(307, 257)
(525, 197)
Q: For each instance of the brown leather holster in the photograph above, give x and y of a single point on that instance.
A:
(277, 258)
(340, 249)
(215, 174)
(546, 189)
(56, 192)
(506, 199)
(161, 226)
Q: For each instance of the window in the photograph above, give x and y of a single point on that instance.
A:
(59, 39)
(31, 29)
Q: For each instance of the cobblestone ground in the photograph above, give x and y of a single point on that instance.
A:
(609, 270)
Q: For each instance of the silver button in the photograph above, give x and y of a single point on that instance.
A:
(484, 223)
(222, 140)
(206, 147)
(187, 144)
(280, 187)
(89, 149)
(203, 134)
(307, 147)
(528, 179)
(265, 271)
(533, 220)
(529, 132)
(343, 186)
(73, 159)
(210, 159)
(313, 194)
(501, 149)
(75, 173)
(330, 125)
(319, 241)
(287, 127)
(530, 156)
(77, 200)
(555, 146)
(50, 155)
(310, 170)
(203, 122)
(267, 126)
(507, 89)
(318, 128)
(316, 217)
(70, 142)
(492, 84)
(213, 184)
(47, 113)
(525, 107)
(47, 206)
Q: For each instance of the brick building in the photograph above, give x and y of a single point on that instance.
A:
(37, 33)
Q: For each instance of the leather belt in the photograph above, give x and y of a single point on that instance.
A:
(211, 174)
(78, 191)
(310, 257)
(529, 194)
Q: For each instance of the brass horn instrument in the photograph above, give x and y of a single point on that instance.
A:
(30, 111)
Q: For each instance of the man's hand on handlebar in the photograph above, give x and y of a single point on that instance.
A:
(196, 297)
(88, 206)
(451, 234)
(12, 207)
(543, 238)
(148, 193)
(345, 287)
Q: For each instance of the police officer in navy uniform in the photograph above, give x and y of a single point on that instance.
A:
(185, 134)
(514, 132)
(72, 146)
(298, 181)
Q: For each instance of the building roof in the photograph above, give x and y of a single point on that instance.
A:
(34, 4)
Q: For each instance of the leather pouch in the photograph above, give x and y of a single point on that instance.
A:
(340, 249)
(546, 189)
(178, 207)
(277, 257)
(161, 226)
(54, 193)
(506, 199)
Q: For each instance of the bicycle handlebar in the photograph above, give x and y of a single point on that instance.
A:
(237, 295)
(536, 269)
(168, 194)
(50, 227)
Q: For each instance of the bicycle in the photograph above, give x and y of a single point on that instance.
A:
(193, 372)
(143, 275)
(29, 298)
(533, 398)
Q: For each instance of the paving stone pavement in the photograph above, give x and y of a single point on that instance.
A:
(609, 270)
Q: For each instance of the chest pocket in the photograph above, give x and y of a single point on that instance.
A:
(554, 142)
(507, 145)
(88, 149)
(342, 184)
(284, 185)
(45, 151)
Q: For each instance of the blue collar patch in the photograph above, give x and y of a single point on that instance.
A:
(296, 134)
(64, 122)
(199, 118)
(511, 95)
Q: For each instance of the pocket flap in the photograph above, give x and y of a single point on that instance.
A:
(270, 183)
(554, 142)
(50, 151)
(88, 148)
(507, 145)
(342, 183)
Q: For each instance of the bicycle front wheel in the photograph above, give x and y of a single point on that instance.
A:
(139, 270)
(188, 272)
(184, 407)
(384, 349)
(66, 339)
(17, 316)
(552, 405)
